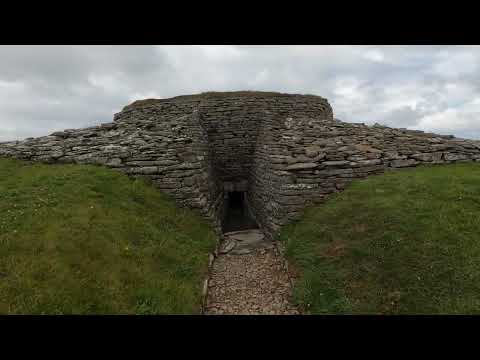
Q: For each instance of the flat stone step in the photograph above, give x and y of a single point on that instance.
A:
(227, 246)
(241, 232)
(244, 242)
(248, 236)
(242, 249)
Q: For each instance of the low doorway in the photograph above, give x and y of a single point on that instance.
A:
(237, 216)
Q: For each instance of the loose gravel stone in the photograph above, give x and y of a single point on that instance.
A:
(254, 283)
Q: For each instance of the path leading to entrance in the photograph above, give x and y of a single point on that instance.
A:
(249, 277)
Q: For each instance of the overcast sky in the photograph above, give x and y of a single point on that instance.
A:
(49, 88)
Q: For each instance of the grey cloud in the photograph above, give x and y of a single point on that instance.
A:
(403, 117)
(36, 63)
(48, 88)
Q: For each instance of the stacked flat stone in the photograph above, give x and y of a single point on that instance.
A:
(286, 151)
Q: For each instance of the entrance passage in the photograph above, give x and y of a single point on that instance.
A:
(236, 214)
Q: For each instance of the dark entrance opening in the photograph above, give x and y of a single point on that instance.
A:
(237, 216)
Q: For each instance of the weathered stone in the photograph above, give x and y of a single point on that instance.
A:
(285, 150)
(61, 134)
(367, 148)
(423, 157)
(301, 166)
(227, 246)
(455, 157)
(114, 162)
(369, 162)
(147, 170)
(189, 181)
(248, 236)
(336, 163)
(312, 151)
(57, 154)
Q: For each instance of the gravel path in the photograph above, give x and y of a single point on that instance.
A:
(251, 283)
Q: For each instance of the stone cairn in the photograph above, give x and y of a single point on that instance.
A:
(285, 151)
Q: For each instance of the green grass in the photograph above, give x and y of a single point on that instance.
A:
(406, 242)
(88, 240)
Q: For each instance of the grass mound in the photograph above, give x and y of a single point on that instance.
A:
(405, 242)
(88, 240)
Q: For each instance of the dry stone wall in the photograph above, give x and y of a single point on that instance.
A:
(171, 150)
(232, 122)
(286, 151)
(299, 161)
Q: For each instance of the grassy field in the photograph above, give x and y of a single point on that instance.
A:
(88, 240)
(406, 242)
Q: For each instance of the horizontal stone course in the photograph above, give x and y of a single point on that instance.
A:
(285, 150)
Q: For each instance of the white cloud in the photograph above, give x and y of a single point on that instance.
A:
(463, 120)
(220, 52)
(260, 78)
(145, 95)
(454, 63)
(374, 55)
